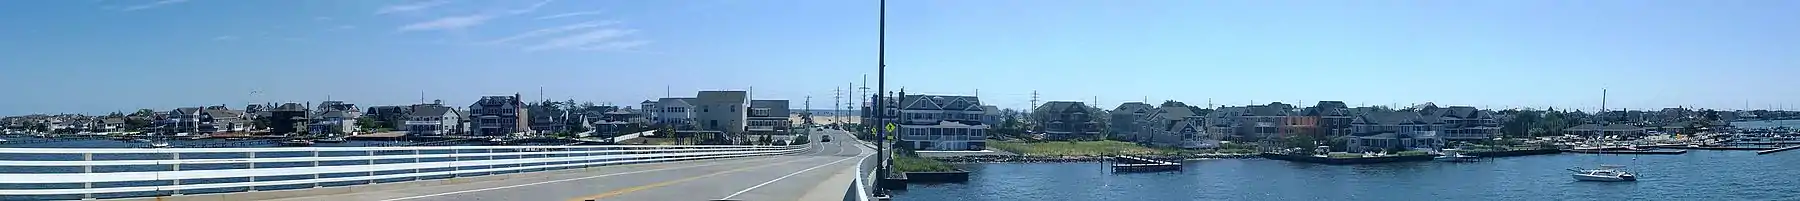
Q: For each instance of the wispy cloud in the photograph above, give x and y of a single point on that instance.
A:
(533, 8)
(410, 7)
(597, 39)
(556, 30)
(153, 5)
(563, 15)
(448, 23)
(616, 45)
(225, 38)
(322, 18)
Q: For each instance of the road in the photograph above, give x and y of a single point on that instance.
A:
(821, 173)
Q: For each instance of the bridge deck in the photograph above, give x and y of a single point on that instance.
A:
(818, 173)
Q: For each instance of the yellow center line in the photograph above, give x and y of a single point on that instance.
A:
(671, 182)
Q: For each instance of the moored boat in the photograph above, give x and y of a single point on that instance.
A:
(1607, 173)
(297, 143)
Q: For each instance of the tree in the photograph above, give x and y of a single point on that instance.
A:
(369, 123)
(144, 113)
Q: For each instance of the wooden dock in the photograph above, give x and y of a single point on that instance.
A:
(1135, 164)
(1777, 150)
(1712, 148)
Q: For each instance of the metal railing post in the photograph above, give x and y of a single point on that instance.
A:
(87, 169)
(415, 156)
(177, 167)
(371, 153)
(253, 166)
(315, 160)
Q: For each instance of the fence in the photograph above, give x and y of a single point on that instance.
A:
(75, 173)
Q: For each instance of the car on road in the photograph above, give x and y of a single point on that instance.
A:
(824, 138)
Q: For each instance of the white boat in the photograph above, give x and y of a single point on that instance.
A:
(2, 140)
(159, 145)
(1452, 155)
(1608, 173)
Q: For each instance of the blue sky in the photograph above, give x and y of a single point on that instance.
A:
(92, 56)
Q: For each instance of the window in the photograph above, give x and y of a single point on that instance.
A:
(705, 108)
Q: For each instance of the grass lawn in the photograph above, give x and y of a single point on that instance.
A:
(1079, 148)
(916, 164)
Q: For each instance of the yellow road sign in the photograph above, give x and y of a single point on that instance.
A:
(890, 127)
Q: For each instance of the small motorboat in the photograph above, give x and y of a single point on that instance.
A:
(1608, 173)
(297, 143)
(1452, 155)
(159, 145)
(330, 140)
(2, 140)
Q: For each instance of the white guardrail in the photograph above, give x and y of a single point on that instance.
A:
(457, 161)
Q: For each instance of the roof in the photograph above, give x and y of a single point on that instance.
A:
(674, 101)
(112, 121)
(333, 114)
(769, 104)
(223, 113)
(940, 102)
(1394, 118)
(725, 96)
(1274, 109)
(291, 107)
(188, 110)
(1173, 113)
(1133, 107)
(989, 109)
(649, 101)
(432, 111)
(1061, 107)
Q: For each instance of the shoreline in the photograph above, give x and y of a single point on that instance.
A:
(1079, 159)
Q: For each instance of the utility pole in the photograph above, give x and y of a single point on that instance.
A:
(881, 145)
(1034, 100)
(836, 94)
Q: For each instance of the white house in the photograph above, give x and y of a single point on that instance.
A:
(434, 120)
(676, 112)
(935, 122)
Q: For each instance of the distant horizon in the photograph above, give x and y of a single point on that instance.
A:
(102, 56)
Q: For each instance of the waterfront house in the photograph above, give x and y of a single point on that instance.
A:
(675, 112)
(1267, 122)
(395, 116)
(1333, 118)
(1464, 123)
(1393, 131)
(941, 122)
(183, 120)
(890, 113)
(1123, 122)
(498, 116)
(648, 110)
(112, 124)
(1223, 123)
(332, 123)
(433, 120)
(216, 120)
(1154, 128)
(768, 117)
(721, 113)
(1067, 120)
(991, 115)
(289, 118)
(1605, 130)
(547, 119)
(349, 110)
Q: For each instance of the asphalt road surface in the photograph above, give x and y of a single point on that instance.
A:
(823, 172)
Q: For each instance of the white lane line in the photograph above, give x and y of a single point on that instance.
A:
(563, 180)
(840, 151)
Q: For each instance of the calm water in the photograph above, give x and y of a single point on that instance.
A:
(1767, 124)
(1697, 175)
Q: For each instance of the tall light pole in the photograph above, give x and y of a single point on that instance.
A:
(881, 170)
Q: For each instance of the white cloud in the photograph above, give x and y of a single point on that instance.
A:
(556, 30)
(225, 38)
(533, 8)
(410, 7)
(153, 5)
(448, 23)
(563, 15)
(617, 45)
(591, 38)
